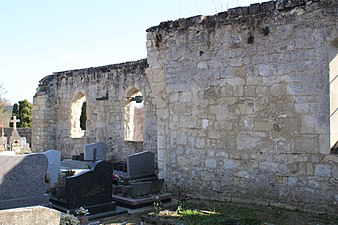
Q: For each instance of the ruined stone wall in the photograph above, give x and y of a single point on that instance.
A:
(243, 104)
(105, 89)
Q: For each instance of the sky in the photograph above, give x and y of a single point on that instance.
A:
(39, 37)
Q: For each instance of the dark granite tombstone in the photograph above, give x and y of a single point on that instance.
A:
(141, 165)
(139, 183)
(156, 186)
(22, 180)
(90, 189)
(140, 189)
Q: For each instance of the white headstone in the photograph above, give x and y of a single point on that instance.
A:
(53, 170)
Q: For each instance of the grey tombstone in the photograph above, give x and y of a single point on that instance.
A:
(22, 181)
(95, 151)
(54, 158)
(140, 164)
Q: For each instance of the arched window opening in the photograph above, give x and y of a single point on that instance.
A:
(78, 116)
(134, 116)
(334, 95)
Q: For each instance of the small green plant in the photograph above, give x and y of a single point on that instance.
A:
(157, 206)
(69, 219)
(182, 200)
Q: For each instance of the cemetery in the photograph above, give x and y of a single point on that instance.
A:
(238, 107)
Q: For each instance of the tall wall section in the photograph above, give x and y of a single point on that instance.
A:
(105, 90)
(243, 104)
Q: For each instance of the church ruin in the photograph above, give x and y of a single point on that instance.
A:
(239, 106)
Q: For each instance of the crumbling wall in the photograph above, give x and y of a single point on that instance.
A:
(105, 90)
(243, 104)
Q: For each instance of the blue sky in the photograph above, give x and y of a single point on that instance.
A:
(39, 37)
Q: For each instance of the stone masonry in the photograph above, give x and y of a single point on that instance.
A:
(106, 89)
(243, 104)
(237, 105)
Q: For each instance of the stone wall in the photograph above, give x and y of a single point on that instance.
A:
(23, 132)
(105, 90)
(243, 104)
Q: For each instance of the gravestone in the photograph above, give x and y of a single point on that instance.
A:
(22, 180)
(90, 189)
(54, 158)
(35, 215)
(95, 151)
(17, 143)
(140, 185)
(15, 139)
(141, 165)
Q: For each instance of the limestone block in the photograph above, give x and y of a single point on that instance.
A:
(268, 166)
(335, 172)
(214, 134)
(322, 170)
(249, 91)
(200, 142)
(262, 126)
(247, 141)
(185, 97)
(236, 81)
(230, 164)
(188, 122)
(181, 140)
(162, 156)
(266, 70)
(211, 163)
(309, 169)
(161, 142)
(182, 161)
(278, 89)
(308, 144)
(294, 89)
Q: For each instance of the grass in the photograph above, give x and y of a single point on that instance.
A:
(198, 212)
(210, 212)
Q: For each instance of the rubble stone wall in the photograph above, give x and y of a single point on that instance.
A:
(243, 104)
(105, 89)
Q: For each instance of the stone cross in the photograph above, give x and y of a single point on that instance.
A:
(14, 121)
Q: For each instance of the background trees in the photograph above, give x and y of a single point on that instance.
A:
(23, 111)
(4, 112)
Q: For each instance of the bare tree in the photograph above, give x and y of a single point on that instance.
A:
(5, 114)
